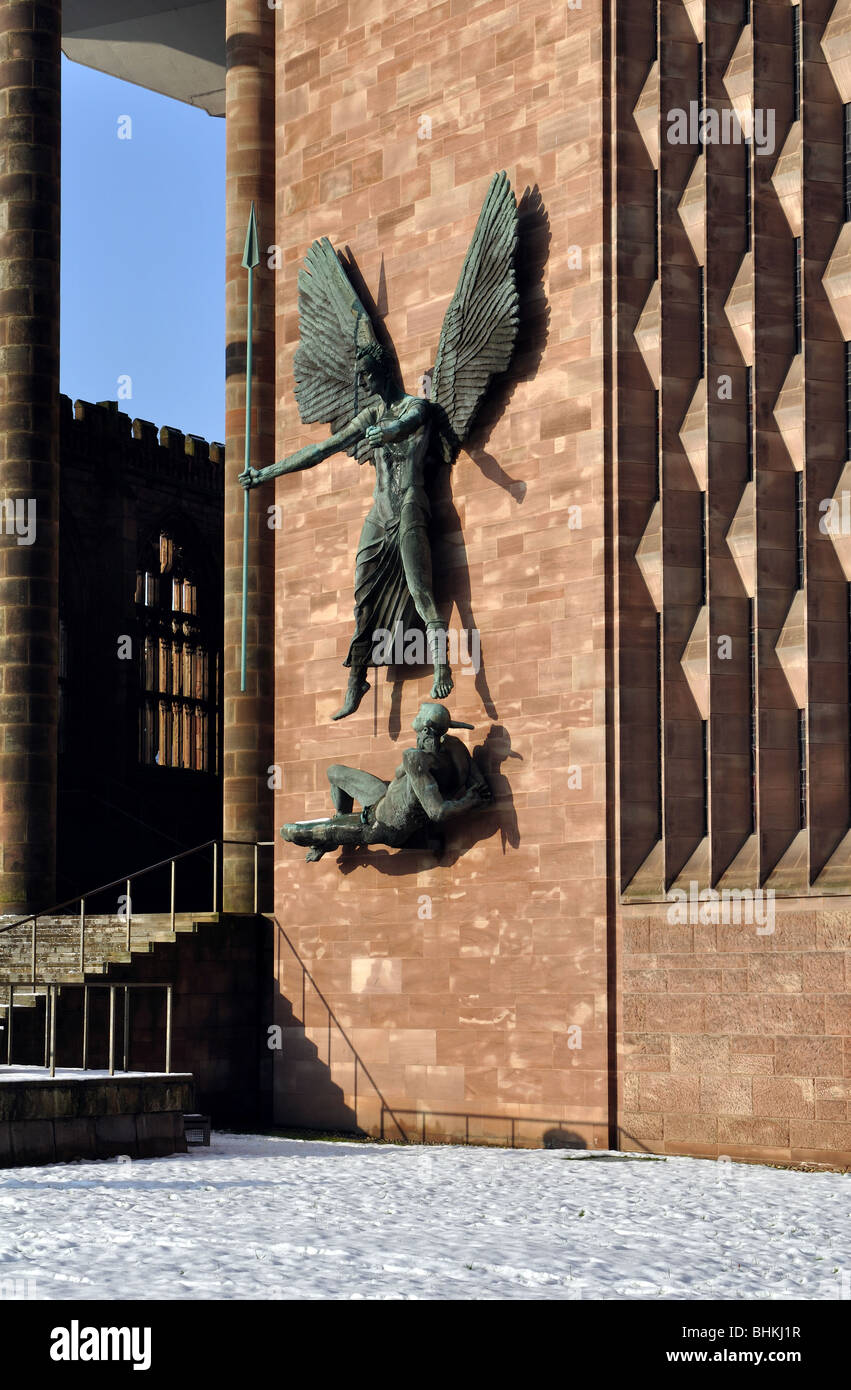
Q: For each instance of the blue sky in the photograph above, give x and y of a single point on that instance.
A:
(143, 235)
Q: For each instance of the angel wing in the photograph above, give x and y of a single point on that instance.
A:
(332, 325)
(480, 327)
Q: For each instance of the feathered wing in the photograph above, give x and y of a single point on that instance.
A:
(332, 324)
(480, 327)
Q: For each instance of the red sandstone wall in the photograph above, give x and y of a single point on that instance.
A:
(460, 1017)
(733, 1041)
(738, 1043)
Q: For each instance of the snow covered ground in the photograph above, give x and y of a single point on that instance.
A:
(76, 1074)
(271, 1218)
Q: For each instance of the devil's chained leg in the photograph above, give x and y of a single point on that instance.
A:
(350, 784)
(321, 837)
(343, 801)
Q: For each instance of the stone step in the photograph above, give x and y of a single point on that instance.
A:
(58, 954)
(22, 1001)
(106, 943)
(105, 947)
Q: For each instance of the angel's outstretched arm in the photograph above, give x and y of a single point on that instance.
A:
(311, 454)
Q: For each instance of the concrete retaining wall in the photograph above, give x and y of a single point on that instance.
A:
(53, 1121)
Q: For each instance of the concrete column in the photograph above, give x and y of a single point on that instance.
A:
(248, 718)
(30, 36)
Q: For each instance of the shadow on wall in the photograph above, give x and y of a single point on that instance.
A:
(563, 1139)
(501, 815)
(304, 1089)
(468, 1127)
(302, 1083)
(307, 1097)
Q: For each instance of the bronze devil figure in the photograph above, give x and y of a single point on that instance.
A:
(435, 782)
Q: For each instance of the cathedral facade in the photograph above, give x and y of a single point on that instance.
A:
(642, 941)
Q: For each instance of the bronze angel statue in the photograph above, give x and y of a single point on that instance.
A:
(345, 379)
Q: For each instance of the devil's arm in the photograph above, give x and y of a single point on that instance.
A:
(429, 795)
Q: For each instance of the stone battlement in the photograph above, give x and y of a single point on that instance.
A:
(137, 446)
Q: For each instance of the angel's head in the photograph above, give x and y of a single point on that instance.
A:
(373, 368)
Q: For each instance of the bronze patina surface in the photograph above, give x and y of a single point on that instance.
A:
(346, 379)
(436, 781)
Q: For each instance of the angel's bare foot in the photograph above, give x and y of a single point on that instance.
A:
(443, 681)
(314, 854)
(355, 691)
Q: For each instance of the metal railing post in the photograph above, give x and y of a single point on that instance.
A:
(85, 1027)
(82, 934)
(173, 878)
(112, 1030)
(215, 875)
(168, 1022)
(9, 1024)
(126, 1053)
(256, 888)
(129, 914)
(34, 972)
(46, 1023)
(53, 994)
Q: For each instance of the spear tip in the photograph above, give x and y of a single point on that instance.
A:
(251, 254)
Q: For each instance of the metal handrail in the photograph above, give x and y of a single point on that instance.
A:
(125, 882)
(51, 992)
(332, 1018)
(125, 879)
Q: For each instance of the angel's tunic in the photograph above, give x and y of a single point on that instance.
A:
(400, 505)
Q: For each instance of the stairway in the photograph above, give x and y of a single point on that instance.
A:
(58, 956)
(58, 943)
(220, 972)
(203, 978)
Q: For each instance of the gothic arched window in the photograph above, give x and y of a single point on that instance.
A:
(179, 663)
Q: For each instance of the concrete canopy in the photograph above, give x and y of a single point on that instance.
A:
(177, 49)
